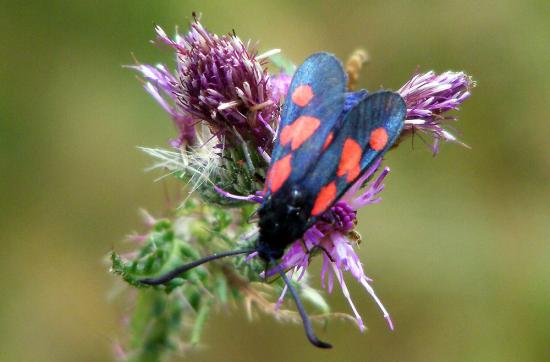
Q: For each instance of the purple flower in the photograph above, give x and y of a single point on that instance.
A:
(223, 82)
(218, 80)
(333, 237)
(428, 96)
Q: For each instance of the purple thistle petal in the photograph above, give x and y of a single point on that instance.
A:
(154, 92)
(330, 282)
(345, 291)
(281, 298)
(251, 256)
(302, 271)
(324, 269)
(364, 282)
(369, 196)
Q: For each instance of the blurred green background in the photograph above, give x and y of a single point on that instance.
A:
(459, 249)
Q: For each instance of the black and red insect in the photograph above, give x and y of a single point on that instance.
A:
(327, 139)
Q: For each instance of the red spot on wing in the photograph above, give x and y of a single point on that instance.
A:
(328, 141)
(353, 173)
(349, 160)
(279, 173)
(378, 139)
(302, 95)
(299, 131)
(324, 199)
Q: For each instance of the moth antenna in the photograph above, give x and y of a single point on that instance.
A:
(305, 319)
(183, 268)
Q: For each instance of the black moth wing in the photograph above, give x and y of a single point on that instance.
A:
(381, 110)
(325, 76)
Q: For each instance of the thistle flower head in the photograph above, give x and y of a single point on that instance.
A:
(428, 97)
(223, 82)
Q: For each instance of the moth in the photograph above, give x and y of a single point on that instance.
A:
(327, 139)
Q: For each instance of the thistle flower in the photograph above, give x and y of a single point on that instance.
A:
(428, 96)
(224, 83)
